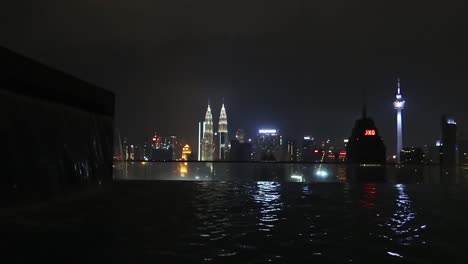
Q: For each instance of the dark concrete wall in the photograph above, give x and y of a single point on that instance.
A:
(57, 131)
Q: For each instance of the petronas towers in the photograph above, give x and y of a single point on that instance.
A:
(223, 134)
(215, 146)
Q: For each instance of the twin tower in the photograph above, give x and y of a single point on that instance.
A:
(213, 146)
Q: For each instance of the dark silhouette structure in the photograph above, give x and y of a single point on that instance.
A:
(58, 130)
(240, 151)
(161, 154)
(366, 151)
(365, 144)
(449, 142)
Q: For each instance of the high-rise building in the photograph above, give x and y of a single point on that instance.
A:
(291, 150)
(161, 148)
(399, 105)
(207, 145)
(448, 144)
(156, 141)
(201, 127)
(172, 143)
(432, 152)
(365, 144)
(307, 150)
(223, 140)
(267, 145)
(240, 151)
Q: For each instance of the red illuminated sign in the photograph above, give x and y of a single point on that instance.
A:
(370, 132)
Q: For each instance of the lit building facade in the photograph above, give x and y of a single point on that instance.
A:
(186, 151)
(291, 150)
(399, 105)
(207, 144)
(267, 145)
(161, 148)
(223, 140)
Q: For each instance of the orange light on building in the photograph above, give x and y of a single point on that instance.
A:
(370, 132)
(186, 151)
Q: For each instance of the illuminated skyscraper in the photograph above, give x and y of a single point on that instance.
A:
(399, 105)
(267, 145)
(223, 134)
(208, 146)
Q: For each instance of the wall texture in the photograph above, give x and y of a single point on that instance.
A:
(56, 130)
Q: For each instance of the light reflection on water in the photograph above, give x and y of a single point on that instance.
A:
(268, 197)
(271, 221)
(403, 219)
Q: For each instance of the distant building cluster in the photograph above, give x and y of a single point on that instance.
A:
(154, 148)
(365, 145)
(267, 145)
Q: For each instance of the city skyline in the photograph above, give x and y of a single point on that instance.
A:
(222, 125)
(211, 143)
(299, 66)
(233, 131)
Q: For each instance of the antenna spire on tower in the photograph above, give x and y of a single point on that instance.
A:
(399, 85)
(364, 104)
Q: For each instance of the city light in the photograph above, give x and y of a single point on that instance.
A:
(297, 177)
(267, 131)
(307, 138)
(346, 140)
(370, 132)
(321, 173)
(451, 121)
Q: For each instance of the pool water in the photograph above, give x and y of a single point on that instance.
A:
(245, 222)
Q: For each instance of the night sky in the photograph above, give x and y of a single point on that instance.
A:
(299, 66)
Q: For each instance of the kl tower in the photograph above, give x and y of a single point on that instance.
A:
(399, 105)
